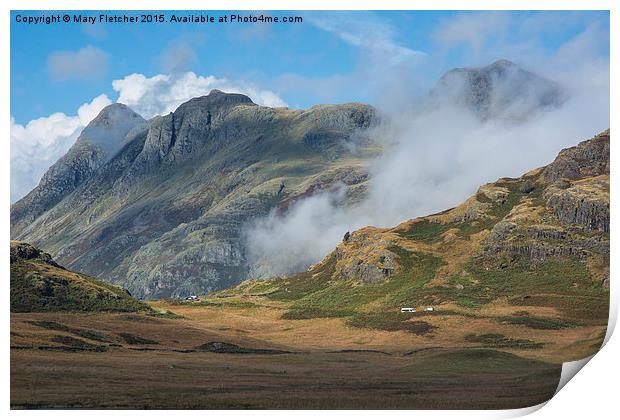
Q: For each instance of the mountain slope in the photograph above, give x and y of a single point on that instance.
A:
(163, 216)
(38, 284)
(520, 257)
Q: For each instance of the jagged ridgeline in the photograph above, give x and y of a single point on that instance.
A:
(39, 284)
(539, 242)
(158, 206)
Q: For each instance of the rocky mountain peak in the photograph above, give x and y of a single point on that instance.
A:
(110, 127)
(216, 100)
(502, 62)
(501, 90)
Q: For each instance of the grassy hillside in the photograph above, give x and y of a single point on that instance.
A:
(522, 264)
(38, 284)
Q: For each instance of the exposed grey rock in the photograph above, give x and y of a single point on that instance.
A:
(537, 251)
(367, 272)
(546, 232)
(588, 158)
(590, 211)
(502, 230)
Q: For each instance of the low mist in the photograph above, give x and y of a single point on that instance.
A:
(436, 153)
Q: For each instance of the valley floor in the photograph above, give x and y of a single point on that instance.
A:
(227, 354)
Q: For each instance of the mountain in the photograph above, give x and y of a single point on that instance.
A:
(158, 207)
(39, 284)
(521, 255)
(96, 144)
(501, 90)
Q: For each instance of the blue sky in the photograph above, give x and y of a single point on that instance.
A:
(265, 54)
(62, 75)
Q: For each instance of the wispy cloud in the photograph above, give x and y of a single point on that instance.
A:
(365, 31)
(96, 30)
(433, 160)
(87, 63)
(472, 29)
(177, 57)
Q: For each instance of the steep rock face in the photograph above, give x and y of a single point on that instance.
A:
(499, 90)
(164, 216)
(579, 190)
(585, 204)
(98, 142)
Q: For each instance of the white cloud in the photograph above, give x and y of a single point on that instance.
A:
(96, 30)
(41, 142)
(381, 60)
(163, 93)
(87, 63)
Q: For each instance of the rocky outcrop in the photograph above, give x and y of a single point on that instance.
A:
(579, 190)
(24, 251)
(536, 251)
(589, 158)
(584, 204)
(570, 217)
(365, 256)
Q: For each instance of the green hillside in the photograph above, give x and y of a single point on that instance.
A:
(38, 284)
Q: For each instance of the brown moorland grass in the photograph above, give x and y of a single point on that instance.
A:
(52, 372)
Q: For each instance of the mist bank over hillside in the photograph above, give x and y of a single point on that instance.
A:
(476, 125)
